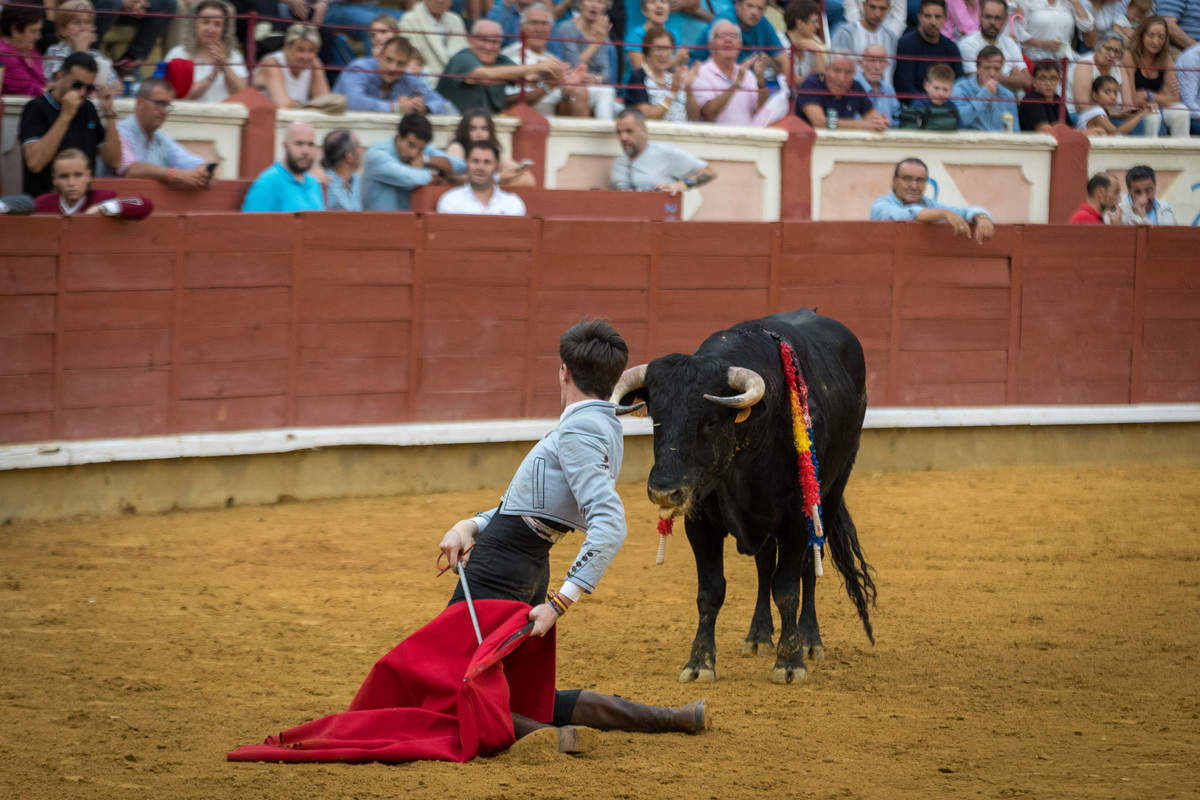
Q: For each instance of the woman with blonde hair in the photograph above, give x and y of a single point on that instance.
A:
(294, 75)
(75, 27)
(209, 43)
(1150, 76)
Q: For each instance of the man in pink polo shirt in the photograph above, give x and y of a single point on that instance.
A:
(726, 91)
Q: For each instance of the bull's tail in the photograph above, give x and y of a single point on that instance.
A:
(841, 537)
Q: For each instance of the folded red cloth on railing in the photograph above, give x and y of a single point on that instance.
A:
(437, 695)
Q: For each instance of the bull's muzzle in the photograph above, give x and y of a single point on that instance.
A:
(665, 496)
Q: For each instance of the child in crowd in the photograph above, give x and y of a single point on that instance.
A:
(1138, 10)
(1039, 110)
(934, 112)
(75, 27)
(1097, 120)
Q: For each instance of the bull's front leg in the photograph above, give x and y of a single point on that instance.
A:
(708, 548)
(789, 659)
(762, 629)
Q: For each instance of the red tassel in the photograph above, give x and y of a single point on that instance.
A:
(666, 526)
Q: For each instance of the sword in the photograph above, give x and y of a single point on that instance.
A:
(462, 577)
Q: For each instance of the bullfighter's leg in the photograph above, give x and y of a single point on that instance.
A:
(789, 660)
(762, 628)
(708, 547)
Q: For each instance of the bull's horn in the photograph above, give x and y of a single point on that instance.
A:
(750, 382)
(631, 380)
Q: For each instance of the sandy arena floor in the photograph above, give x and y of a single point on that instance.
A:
(1038, 634)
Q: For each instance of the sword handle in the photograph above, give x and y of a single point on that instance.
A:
(662, 550)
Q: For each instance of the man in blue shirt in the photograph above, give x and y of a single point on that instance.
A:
(757, 33)
(873, 67)
(394, 167)
(928, 44)
(381, 84)
(1183, 21)
(907, 202)
(147, 152)
(287, 186)
(981, 99)
(836, 90)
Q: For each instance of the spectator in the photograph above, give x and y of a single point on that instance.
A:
(757, 34)
(476, 75)
(382, 30)
(1038, 112)
(1101, 118)
(935, 111)
(1188, 70)
(658, 16)
(73, 192)
(380, 83)
(20, 29)
(147, 152)
(64, 117)
(895, 20)
(287, 186)
(342, 161)
(293, 76)
(924, 43)
(477, 125)
(962, 19)
(854, 37)
(1135, 13)
(437, 33)
(993, 16)
(566, 97)
(1140, 206)
(907, 201)
(726, 91)
(75, 27)
(837, 90)
(394, 167)
(647, 166)
(1046, 28)
(662, 88)
(1150, 76)
(208, 42)
(803, 20)
(147, 29)
(586, 42)
(981, 99)
(355, 18)
(873, 68)
(1183, 21)
(480, 195)
(1106, 14)
(507, 14)
(1101, 206)
(1105, 60)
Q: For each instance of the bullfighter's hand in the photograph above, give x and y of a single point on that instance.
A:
(543, 618)
(452, 546)
(984, 229)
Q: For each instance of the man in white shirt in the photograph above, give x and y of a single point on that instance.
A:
(436, 31)
(854, 37)
(993, 16)
(896, 19)
(480, 195)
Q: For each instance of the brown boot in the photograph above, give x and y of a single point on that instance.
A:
(540, 738)
(608, 712)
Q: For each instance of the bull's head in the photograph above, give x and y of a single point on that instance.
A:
(697, 404)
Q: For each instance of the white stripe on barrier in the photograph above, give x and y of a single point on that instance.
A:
(285, 440)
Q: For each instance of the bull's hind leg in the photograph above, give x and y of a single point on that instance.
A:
(759, 640)
(809, 630)
(789, 659)
(708, 547)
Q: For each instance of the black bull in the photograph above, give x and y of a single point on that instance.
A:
(732, 476)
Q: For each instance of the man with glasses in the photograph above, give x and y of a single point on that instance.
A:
(147, 152)
(907, 202)
(64, 117)
(993, 16)
(476, 75)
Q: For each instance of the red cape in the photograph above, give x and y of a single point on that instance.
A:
(437, 695)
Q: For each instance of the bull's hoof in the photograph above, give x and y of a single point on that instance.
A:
(782, 675)
(758, 649)
(815, 652)
(697, 675)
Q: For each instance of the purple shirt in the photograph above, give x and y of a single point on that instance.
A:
(740, 109)
(19, 76)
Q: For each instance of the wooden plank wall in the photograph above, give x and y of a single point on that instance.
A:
(230, 322)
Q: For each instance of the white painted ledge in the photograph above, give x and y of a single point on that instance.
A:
(285, 440)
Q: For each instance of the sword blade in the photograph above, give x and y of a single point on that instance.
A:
(462, 577)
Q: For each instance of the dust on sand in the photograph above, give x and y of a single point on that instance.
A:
(1037, 636)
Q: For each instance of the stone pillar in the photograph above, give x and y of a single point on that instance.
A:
(258, 134)
(529, 140)
(795, 170)
(1068, 173)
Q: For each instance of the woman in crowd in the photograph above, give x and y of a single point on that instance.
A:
(75, 27)
(1048, 27)
(662, 88)
(208, 42)
(381, 29)
(803, 20)
(1104, 60)
(1150, 76)
(476, 125)
(658, 15)
(20, 28)
(962, 19)
(294, 75)
(342, 161)
(585, 41)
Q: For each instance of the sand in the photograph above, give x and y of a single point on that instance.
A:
(1037, 635)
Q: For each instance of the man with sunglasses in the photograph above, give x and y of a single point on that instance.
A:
(64, 117)
(147, 152)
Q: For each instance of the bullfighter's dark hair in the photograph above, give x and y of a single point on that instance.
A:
(595, 354)
(917, 161)
(417, 124)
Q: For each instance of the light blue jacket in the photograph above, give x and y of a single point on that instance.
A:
(978, 111)
(889, 207)
(570, 477)
(387, 181)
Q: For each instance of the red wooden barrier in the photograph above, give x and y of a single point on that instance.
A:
(225, 195)
(570, 203)
(238, 321)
